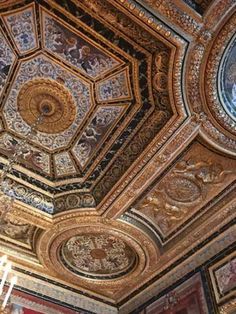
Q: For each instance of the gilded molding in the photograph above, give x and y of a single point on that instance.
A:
(201, 92)
(228, 308)
(51, 240)
(157, 68)
(212, 76)
(218, 10)
(153, 168)
(180, 271)
(177, 15)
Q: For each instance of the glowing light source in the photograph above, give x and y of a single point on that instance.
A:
(5, 268)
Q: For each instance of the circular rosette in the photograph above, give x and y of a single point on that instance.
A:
(50, 100)
(87, 248)
(98, 255)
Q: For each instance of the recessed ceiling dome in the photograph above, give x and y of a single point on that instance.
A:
(98, 256)
(47, 99)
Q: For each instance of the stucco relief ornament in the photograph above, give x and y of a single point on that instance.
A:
(160, 78)
(15, 229)
(184, 187)
(189, 178)
(48, 98)
(158, 204)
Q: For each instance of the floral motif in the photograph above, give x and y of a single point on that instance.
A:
(50, 98)
(115, 87)
(88, 142)
(99, 254)
(22, 29)
(73, 201)
(29, 196)
(76, 49)
(43, 67)
(64, 164)
(7, 58)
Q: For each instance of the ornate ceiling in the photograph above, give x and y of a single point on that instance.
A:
(128, 186)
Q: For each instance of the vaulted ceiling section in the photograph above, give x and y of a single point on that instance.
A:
(128, 184)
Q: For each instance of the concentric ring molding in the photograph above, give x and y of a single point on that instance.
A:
(49, 99)
(213, 75)
(98, 255)
(49, 245)
(226, 79)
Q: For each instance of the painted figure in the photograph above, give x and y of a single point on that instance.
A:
(76, 50)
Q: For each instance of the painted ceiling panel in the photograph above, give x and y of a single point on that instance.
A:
(76, 49)
(101, 122)
(22, 28)
(33, 80)
(7, 59)
(114, 88)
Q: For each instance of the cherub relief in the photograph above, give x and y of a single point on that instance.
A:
(156, 203)
(14, 229)
(204, 171)
(171, 202)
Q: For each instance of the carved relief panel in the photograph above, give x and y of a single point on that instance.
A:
(192, 181)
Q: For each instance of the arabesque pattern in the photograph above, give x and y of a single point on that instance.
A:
(23, 29)
(98, 254)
